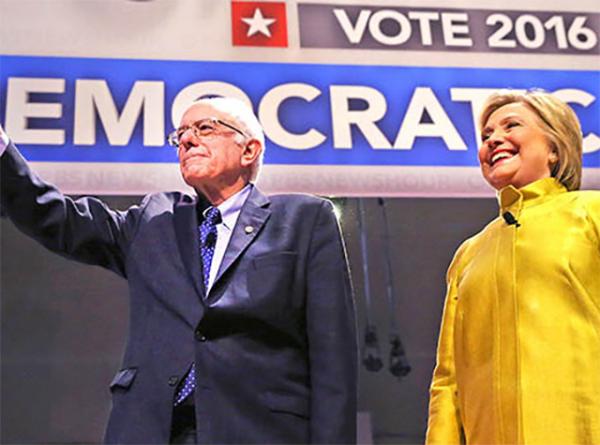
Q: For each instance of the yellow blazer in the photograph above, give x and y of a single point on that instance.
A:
(518, 358)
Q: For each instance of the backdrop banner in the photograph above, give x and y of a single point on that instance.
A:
(334, 126)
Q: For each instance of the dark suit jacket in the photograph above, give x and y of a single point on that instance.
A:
(274, 341)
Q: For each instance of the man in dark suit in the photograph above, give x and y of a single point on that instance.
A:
(242, 324)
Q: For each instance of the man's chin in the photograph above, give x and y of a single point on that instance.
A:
(194, 174)
(193, 181)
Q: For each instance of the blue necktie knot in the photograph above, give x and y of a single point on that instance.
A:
(208, 230)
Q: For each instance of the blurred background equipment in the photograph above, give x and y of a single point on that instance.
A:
(371, 357)
(398, 364)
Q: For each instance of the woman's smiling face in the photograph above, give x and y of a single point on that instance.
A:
(515, 150)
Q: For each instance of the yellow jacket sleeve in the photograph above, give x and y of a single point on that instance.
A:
(444, 424)
(593, 209)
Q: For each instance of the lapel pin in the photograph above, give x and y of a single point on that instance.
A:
(248, 229)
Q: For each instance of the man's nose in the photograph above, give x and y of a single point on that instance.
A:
(187, 138)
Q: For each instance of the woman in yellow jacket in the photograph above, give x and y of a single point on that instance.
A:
(518, 358)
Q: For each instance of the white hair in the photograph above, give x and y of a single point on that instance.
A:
(241, 115)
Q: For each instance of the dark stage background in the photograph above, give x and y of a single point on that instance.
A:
(63, 323)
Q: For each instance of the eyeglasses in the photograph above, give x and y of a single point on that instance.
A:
(201, 129)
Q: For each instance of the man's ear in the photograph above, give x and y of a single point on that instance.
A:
(250, 153)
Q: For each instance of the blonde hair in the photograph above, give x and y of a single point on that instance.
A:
(557, 120)
(242, 115)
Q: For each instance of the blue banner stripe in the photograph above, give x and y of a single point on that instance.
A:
(396, 84)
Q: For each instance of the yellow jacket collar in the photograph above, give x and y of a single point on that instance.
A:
(514, 200)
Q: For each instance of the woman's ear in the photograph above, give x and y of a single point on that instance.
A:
(553, 163)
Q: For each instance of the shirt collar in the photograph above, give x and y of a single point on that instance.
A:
(231, 207)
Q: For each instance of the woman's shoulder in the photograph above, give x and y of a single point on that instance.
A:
(588, 199)
(586, 195)
(587, 204)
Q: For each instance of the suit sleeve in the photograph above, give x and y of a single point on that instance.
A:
(84, 229)
(444, 423)
(331, 327)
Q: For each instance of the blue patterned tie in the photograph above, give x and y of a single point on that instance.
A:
(208, 240)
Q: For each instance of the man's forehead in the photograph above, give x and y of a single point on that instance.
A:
(200, 111)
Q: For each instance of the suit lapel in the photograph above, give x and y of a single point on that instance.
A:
(186, 231)
(253, 216)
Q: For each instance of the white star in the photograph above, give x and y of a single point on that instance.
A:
(258, 23)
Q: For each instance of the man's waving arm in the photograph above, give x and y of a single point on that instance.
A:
(84, 229)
